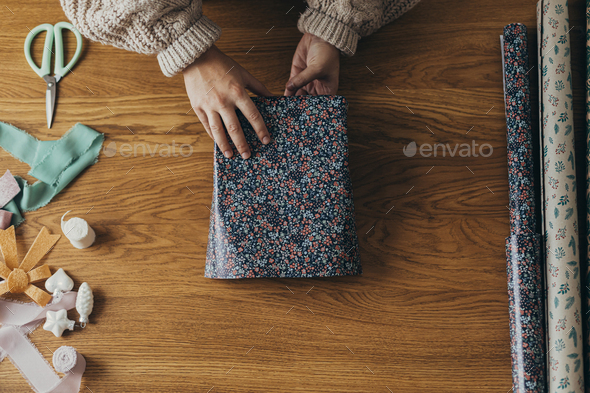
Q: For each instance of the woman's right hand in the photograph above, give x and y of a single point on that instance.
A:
(216, 85)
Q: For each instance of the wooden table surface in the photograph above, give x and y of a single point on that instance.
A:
(430, 312)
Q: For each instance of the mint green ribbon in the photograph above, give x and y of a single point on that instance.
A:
(54, 163)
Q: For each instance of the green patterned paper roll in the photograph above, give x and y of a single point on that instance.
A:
(586, 290)
(564, 301)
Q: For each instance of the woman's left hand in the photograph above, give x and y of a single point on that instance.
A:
(315, 68)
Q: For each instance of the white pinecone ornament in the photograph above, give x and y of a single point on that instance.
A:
(84, 303)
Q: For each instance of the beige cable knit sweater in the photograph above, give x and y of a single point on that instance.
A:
(178, 32)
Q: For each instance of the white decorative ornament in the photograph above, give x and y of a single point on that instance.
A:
(84, 303)
(77, 230)
(59, 282)
(57, 322)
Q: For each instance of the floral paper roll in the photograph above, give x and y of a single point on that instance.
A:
(565, 371)
(519, 131)
(586, 288)
(525, 281)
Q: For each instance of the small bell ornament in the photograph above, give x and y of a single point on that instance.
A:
(84, 303)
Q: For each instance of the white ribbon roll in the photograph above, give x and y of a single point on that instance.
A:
(77, 230)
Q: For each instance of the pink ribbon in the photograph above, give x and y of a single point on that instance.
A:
(19, 319)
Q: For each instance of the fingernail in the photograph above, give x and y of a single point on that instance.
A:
(290, 86)
(265, 140)
(227, 153)
(245, 155)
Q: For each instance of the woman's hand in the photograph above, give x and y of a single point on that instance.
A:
(216, 85)
(315, 69)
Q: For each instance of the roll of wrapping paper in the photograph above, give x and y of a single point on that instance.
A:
(523, 256)
(564, 303)
(586, 288)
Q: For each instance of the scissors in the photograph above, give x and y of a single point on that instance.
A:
(59, 69)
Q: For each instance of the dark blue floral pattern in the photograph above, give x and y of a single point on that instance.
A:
(523, 254)
(288, 210)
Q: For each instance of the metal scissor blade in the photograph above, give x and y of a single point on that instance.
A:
(50, 94)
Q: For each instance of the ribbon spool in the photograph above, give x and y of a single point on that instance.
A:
(64, 359)
(77, 230)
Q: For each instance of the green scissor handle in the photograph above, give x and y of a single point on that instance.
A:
(53, 32)
(59, 69)
(46, 60)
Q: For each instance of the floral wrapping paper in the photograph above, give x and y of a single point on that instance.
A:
(526, 309)
(586, 289)
(288, 210)
(523, 256)
(564, 303)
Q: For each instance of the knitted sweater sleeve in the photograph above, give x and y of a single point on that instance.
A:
(343, 22)
(175, 30)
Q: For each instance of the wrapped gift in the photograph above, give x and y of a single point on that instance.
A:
(288, 210)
